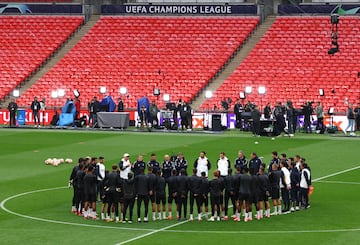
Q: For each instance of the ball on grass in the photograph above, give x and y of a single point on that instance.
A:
(256, 142)
(273, 138)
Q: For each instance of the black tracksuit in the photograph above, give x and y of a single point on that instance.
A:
(204, 191)
(166, 169)
(72, 179)
(137, 166)
(114, 185)
(295, 185)
(255, 164)
(194, 183)
(152, 185)
(78, 184)
(215, 187)
(90, 186)
(160, 192)
(155, 166)
(241, 163)
(172, 189)
(182, 190)
(142, 192)
(129, 196)
(274, 179)
(229, 193)
(263, 187)
(245, 187)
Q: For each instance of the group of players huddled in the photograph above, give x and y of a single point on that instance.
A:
(168, 183)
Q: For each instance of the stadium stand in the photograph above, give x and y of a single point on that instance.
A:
(130, 51)
(292, 62)
(26, 42)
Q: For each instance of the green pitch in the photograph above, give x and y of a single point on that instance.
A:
(35, 204)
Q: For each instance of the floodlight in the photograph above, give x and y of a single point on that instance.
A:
(156, 91)
(208, 94)
(102, 90)
(262, 90)
(54, 94)
(248, 89)
(123, 90)
(76, 93)
(61, 93)
(166, 97)
(16, 93)
(242, 95)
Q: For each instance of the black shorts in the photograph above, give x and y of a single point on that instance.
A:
(263, 197)
(204, 200)
(171, 198)
(90, 197)
(152, 198)
(253, 199)
(160, 199)
(244, 196)
(275, 193)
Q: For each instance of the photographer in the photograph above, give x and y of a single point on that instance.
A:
(307, 110)
(279, 117)
(12, 107)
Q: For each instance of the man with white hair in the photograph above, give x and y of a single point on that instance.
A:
(241, 162)
(125, 166)
(202, 164)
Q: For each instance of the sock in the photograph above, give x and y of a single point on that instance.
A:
(154, 217)
(215, 214)
(177, 213)
(246, 215)
(238, 215)
(102, 216)
(121, 216)
(191, 216)
(159, 215)
(112, 215)
(268, 211)
(279, 209)
(250, 215)
(275, 209)
(199, 216)
(223, 213)
(261, 213)
(164, 215)
(207, 215)
(170, 214)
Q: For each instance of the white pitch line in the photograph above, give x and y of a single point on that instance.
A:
(2, 206)
(337, 173)
(152, 232)
(338, 182)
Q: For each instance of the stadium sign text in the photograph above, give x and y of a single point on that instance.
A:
(158, 9)
(177, 9)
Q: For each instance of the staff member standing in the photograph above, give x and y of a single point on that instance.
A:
(223, 164)
(125, 166)
(138, 164)
(35, 107)
(202, 164)
(12, 107)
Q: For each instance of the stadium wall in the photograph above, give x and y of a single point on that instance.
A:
(199, 119)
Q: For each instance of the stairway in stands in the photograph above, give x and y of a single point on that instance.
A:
(71, 42)
(238, 58)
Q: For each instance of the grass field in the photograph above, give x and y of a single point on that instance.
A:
(35, 207)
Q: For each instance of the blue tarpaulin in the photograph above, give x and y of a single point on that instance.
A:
(67, 114)
(108, 103)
